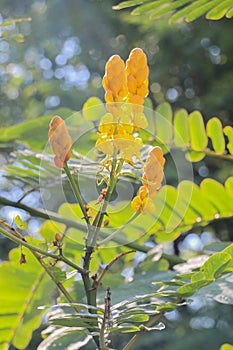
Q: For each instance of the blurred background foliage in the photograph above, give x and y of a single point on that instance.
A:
(57, 59)
(61, 61)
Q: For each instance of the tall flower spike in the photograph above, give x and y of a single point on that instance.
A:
(60, 141)
(115, 83)
(137, 82)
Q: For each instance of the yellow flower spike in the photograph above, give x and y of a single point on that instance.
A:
(153, 170)
(60, 141)
(114, 80)
(137, 76)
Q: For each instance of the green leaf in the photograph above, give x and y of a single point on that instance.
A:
(220, 290)
(58, 273)
(213, 267)
(124, 329)
(181, 129)
(77, 320)
(226, 347)
(22, 225)
(131, 318)
(147, 8)
(198, 136)
(180, 209)
(182, 13)
(199, 11)
(217, 195)
(128, 3)
(228, 131)
(93, 109)
(63, 338)
(181, 9)
(163, 122)
(215, 132)
(219, 11)
(190, 288)
(170, 6)
(23, 289)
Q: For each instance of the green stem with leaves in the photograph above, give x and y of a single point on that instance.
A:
(33, 248)
(135, 338)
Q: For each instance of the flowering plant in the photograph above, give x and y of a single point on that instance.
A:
(88, 239)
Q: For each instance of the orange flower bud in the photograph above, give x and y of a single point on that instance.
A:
(58, 237)
(22, 259)
(60, 141)
(153, 170)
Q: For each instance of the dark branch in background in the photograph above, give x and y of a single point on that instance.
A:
(50, 215)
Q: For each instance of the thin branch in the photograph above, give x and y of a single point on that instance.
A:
(134, 339)
(97, 283)
(17, 238)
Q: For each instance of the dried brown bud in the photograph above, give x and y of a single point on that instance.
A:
(106, 222)
(22, 259)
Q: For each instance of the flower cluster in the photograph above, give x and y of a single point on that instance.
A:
(126, 86)
(153, 176)
(60, 141)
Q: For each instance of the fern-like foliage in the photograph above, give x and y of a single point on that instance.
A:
(178, 210)
(188, 132)
(180, 9)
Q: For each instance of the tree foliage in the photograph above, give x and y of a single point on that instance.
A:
(163, 282)
(178, 10)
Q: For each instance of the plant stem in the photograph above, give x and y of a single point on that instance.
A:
(77, 194)
(59, 285)
(134, 339)
(97, 284)
(134, 216)
(40, 213)
(33, 248)
(115, 171)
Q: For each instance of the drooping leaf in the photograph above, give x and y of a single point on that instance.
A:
(62, 338)
(24, 288)
(22, 225)
(93, 109)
